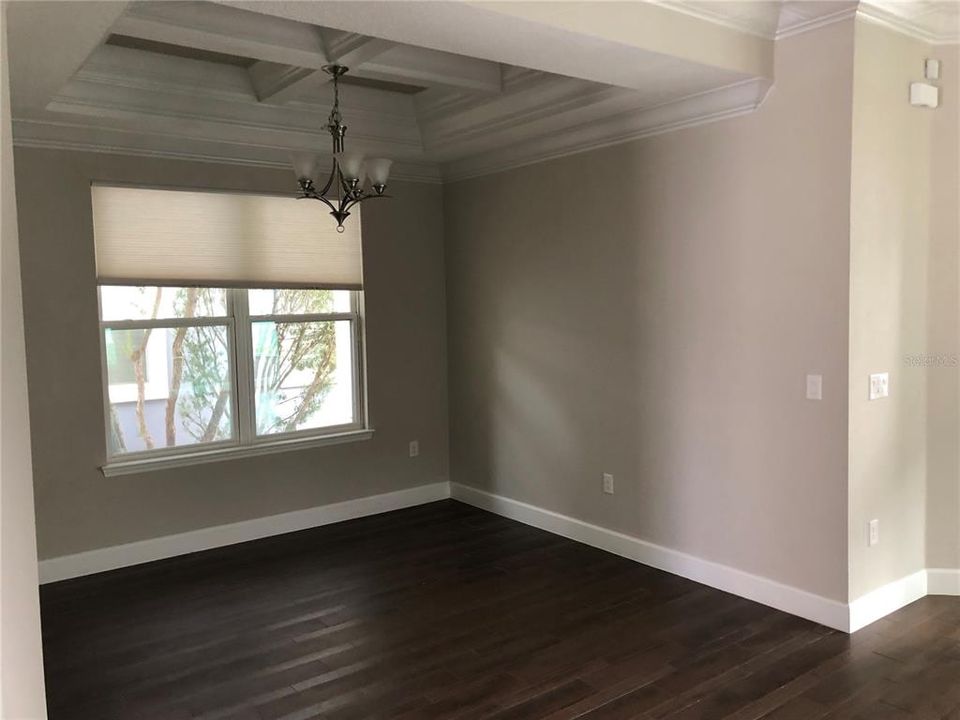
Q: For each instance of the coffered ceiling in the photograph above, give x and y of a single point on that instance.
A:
(447, 89)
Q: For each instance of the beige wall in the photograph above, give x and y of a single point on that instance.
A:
(21, 665)
(651, 310)
(943, 388)
(903, 305)
(79, 509)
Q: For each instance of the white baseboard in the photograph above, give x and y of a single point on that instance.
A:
(887, 599)
(118, 556)
(849, 618)
(943, 581)
(831, 613)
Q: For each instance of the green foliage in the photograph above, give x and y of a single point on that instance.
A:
(293, 364)
(204, 395)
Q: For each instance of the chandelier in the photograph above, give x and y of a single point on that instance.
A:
(344, 188)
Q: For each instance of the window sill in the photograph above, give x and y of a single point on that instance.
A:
(163, 462)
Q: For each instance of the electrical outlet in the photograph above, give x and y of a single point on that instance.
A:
(814, 387)
(414, 448)
(879, 386)
(873, 532)
(608, 483)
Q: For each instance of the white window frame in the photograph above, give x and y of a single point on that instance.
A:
(244, 441)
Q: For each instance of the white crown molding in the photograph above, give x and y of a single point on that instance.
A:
(904, 26)
(730, 22)
(713, 105)
(714, 13)
(719, 13)
(55, 135)
(144, 551)
(804, 26)
(825, 611)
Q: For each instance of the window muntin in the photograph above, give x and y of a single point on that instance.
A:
(197, 380)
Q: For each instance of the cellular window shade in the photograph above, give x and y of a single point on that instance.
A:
(174, 237)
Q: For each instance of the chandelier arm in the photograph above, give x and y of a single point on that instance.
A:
(350, 203)
(362, 197)
(333, 172)
(321, 198)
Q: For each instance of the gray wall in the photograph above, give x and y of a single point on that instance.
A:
(943, 383)
(651, 310)
(79, 509)
(900, 285)
(21, 664)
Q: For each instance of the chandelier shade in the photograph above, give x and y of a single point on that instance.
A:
(305, 165)
(378, 171)
(351, 164)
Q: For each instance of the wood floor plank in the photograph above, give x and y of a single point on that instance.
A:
(445, 611)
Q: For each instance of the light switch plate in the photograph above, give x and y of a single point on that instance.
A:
(931, 69)
(814, 387)
(873, 532)
(608, 483)
(879, 386)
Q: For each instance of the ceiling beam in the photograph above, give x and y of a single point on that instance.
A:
(376, 59)
(49, 42)
(276, 83)
(616, 43)
(226, 30)
(352, 49)
(420, 66)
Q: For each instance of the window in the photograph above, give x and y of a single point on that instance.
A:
(230, 323)
(216, 367)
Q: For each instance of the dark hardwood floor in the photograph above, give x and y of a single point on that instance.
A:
(444, 611)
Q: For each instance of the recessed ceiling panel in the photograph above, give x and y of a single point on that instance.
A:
(183, 51)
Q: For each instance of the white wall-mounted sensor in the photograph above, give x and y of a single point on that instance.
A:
(924, 95)
(931, 69)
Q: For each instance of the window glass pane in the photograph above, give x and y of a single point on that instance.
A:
(120, 302)
(168, 387)
(298, 302)
(303, 375)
